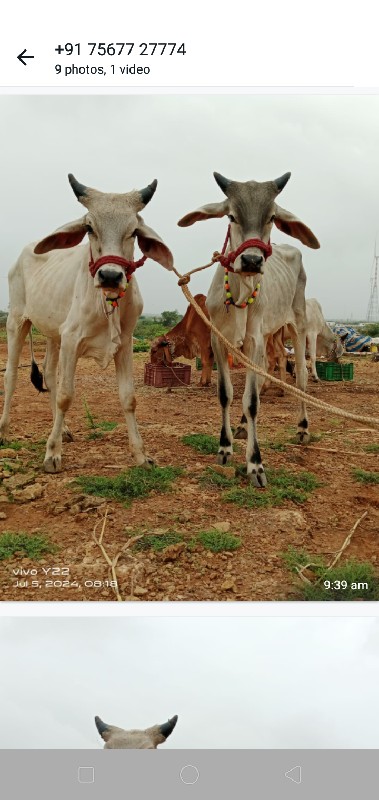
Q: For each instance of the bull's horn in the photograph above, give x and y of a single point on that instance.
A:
(223, 183)
(281, 182)
(78, 188)
(101, 726)
(168, 727)
(147, 193)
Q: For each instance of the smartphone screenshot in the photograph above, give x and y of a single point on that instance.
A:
(189, 436)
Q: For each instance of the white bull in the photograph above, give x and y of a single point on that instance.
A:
(321, 341)
(148, 739)
(64, 290)
(247, 306)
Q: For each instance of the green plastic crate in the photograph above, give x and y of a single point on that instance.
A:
(199, 364)
(334, 372)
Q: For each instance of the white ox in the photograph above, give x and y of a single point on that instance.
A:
(320, 341)
(247, 306)
(148, 739)
(52, 288)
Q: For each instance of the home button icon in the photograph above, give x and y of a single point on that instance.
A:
(189, 774)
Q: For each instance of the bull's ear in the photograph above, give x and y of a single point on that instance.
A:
(209, 211)
(152, 245)
(68, 236)
(293, 226)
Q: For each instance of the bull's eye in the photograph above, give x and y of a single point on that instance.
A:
(232, 219)
(272, 218)
(134, 234)
(89, 229)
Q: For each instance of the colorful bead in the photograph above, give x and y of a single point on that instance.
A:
(229, 300)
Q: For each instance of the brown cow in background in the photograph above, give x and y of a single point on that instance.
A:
(191, 337)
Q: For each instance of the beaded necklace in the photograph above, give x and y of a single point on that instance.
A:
(229, 299)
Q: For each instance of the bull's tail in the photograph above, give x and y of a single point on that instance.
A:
(36, 375)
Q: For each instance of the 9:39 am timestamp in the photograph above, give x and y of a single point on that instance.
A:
(338, 585)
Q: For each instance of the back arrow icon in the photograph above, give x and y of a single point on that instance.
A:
(21, 57)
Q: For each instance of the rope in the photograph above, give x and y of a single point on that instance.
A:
(184, 280)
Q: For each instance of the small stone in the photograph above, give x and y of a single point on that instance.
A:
(18, 481)
(75, 509)
(55, 510)
(229, 585)
(139, 590)
(29, 493)
(222, 527)
(185, 516)
(7, 452)
(172, 552)
(227, 472)
(3, 515)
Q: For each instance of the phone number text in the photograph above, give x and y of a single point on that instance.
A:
(122, 49)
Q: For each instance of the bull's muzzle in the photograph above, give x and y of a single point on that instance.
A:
(252, 264)
(110, 278)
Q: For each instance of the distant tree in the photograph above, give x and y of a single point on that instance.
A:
(371, 329)
(170, 318)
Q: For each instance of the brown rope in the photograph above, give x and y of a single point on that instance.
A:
(185, 279)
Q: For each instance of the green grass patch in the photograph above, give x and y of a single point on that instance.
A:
(212, 478)
(15, 444)
(372, 448)
(212, 540)
(97, 426)
(354, 580)
(158, 542)
(127, 486)
(365, 477)
(207, 445)
(282, 486)
(313, 437)
(216, 541)
(28, 545)
(280, 447)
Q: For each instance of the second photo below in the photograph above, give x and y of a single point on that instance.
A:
(189, 348)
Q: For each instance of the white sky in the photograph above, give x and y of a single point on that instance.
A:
(235, 683)
(329, 143)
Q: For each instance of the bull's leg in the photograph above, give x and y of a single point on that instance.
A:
(225, 396)
(50, 376)
(207, 359)
(17, 331)
(298, 338)
(68, 358)
(250, 404)
(124, 372)
(312, 355)
(241, 431)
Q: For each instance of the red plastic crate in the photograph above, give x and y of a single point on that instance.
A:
(159, 375)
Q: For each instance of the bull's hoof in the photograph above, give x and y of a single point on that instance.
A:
(303, 437)
(148, 463)
(224, 456)
(67, 436)
(257, 477)
(315, 378)
(240, 433)
(52, 464)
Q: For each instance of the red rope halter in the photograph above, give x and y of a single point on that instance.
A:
(128, 266)
(227, 260)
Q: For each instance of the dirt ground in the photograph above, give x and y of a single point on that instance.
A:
(255, 571)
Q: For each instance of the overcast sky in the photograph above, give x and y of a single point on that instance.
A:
(235, 683)
(329, 143)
